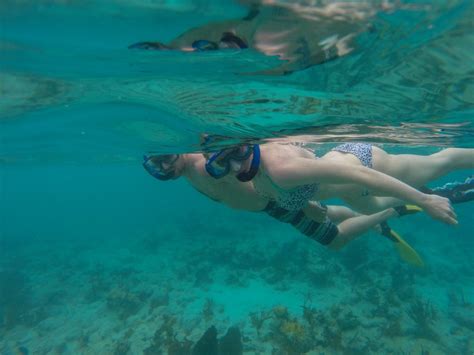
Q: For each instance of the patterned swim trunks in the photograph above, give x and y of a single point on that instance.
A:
(363, 151)
(324, 232)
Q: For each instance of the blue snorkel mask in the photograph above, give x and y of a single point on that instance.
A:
(160, 167)
(203, 45)
(228, 40)
(218, 165)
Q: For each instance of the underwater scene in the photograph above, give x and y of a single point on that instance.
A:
(224, 177)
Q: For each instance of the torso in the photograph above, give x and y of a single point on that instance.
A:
(275, 153)
(290, 199)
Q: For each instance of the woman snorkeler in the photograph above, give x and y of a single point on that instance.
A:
(364, 176)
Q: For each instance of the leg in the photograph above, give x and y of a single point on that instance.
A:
(457, 192)
(353, 227)
(338, 214)
(371, 204)
(417, 170)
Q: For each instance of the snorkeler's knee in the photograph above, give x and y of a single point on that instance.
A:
(337, 244)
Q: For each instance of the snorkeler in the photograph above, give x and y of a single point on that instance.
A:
(313, 220)
(301, 36)
(362, 175)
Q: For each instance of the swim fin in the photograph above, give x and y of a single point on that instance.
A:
(406, 252)
(456, 192)
(407, 209)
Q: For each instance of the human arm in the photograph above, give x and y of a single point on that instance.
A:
(301, 171)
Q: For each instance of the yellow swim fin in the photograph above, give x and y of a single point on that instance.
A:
(407, 209)
(406, 252)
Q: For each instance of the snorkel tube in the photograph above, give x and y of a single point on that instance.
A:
(220, 169)
(250, 174)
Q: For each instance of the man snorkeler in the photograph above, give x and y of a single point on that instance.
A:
(314, 220)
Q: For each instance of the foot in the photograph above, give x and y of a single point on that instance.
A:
(388, 232)
(457, 192)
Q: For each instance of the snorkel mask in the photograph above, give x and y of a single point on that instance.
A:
(160, 166)
(228, 40)
(218, 165)
(202, 45)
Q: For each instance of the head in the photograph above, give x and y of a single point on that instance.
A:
(164, 167)
(196, 42)
(234, 161)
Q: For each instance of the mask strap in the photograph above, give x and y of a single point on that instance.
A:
(250, 174)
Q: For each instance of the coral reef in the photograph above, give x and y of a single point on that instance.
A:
(461, 311)
(99, 283)
(393, 328)
(124, 302)
(424, 315)
(159, 300)
(122, 348)
(257, 319)
(165, 340)
(208, 310)
(288, 333)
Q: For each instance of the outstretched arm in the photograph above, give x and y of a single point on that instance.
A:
(303, 171)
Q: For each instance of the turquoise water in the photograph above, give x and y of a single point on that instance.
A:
(96, 257)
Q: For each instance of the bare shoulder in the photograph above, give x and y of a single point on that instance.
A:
(274, 156)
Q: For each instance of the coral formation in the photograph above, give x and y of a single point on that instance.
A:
(208, 310)
(424, 315)
(124, 302)
(165, 339)
(257, 319)
(461, 311)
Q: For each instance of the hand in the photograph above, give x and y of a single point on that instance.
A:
(440, 208)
